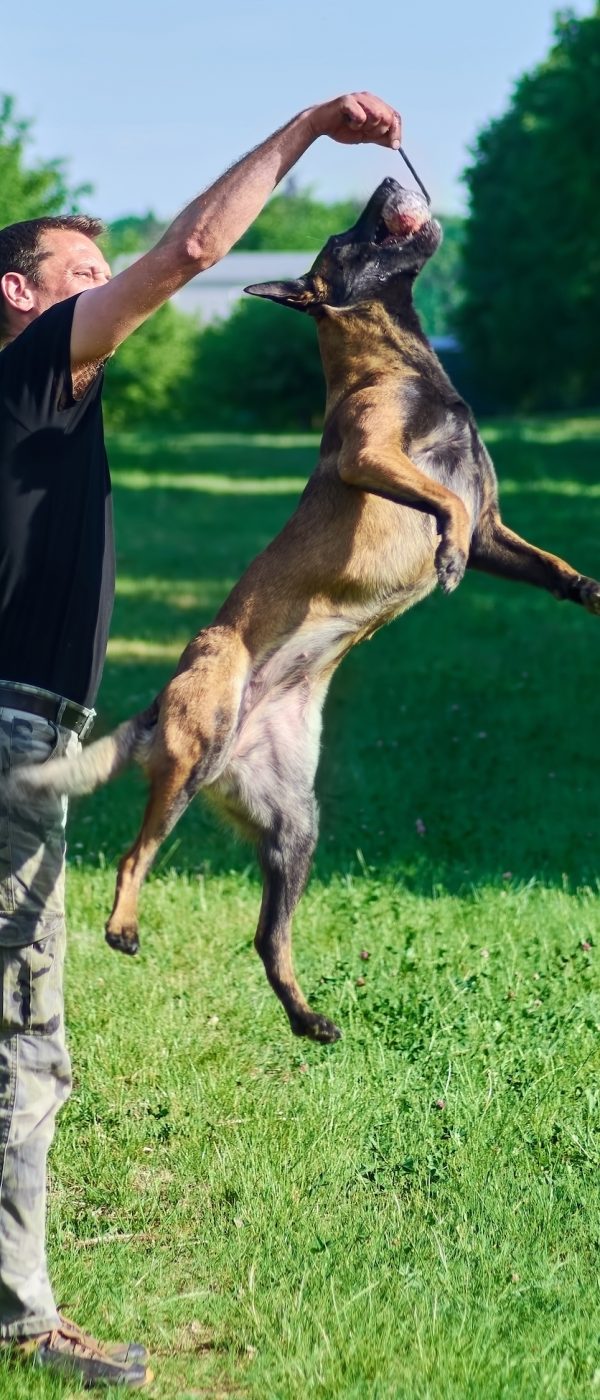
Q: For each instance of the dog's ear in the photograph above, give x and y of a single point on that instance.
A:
(300, 293)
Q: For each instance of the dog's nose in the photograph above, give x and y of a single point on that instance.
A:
(388, 187)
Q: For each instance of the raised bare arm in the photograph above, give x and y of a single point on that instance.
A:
(213, 222)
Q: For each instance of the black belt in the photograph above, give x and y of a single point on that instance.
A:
(52, 707)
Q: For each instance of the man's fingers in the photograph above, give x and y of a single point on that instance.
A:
(354, 112)
(378, 121)
(358, 117)
(383, 134)
(379, 128)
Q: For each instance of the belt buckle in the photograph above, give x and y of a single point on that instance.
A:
(87, 725)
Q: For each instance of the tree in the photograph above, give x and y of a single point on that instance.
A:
(148, 378)
(294, 221)
(134, 233)
(438, 288)
(531, 266)
(29, 191)
(258, 369)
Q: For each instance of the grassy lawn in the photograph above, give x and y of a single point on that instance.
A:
(414, 1212)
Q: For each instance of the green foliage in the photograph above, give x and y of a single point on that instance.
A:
(28, 191)
(438, 289)
(532, 245)
(134, 233)
(297, 222)
(260, 368)
(146, 380)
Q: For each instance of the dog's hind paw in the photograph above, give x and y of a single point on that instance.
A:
(588, 594)
(316, 1028)
(124, 939)
(450, 565)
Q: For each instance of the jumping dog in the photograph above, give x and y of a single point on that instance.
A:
(404, 496)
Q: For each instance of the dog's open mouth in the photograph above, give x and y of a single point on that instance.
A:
(398, 226)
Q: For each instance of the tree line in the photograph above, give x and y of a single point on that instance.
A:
(518, 280)
(531, 250)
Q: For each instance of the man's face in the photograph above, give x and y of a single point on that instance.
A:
(71, 263)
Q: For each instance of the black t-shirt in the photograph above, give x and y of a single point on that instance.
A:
(56, 532)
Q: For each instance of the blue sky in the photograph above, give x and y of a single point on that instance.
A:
(151, 102)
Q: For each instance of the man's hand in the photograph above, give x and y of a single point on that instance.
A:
(357, 118)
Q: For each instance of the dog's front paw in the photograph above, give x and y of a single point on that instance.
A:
(316, 1028)
(123, 937)
(450, 565)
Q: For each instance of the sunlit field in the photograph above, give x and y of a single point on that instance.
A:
(414, 1212)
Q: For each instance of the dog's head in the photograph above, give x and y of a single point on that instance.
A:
(386, 247)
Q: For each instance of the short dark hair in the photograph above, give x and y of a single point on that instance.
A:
(20, 249)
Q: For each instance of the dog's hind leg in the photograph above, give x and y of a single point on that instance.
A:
(497, 550)
(196, 724)
(270, 779)
(285, 853)
(169, 797)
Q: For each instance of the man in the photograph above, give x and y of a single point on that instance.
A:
(56, 594)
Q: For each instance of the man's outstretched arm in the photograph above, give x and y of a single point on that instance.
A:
(213, 222)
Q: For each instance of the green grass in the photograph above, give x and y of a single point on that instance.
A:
(414, 1212)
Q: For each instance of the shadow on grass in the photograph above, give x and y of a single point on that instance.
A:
(459, 745)
(235, 455)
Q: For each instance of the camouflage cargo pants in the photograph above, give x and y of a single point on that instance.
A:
(35, 1071)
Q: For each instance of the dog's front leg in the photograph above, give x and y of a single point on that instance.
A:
(497, 550)
(371, 461)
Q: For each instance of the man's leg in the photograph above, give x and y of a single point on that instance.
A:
(35, 1079)
(35, 1073)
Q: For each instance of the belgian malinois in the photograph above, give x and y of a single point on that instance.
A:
(404, 496)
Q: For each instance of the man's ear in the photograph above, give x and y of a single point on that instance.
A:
(16, 291)
(300, 293)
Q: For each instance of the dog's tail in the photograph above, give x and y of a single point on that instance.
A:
(95, 765)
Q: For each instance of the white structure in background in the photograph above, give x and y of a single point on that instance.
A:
(212, 295)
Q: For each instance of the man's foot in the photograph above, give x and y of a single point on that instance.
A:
(69, 1350)
(120, 1351)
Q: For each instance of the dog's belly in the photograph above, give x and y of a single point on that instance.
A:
(286, 685)
(315, 646)
(276, 744)
(275, 751)
(348, 577)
